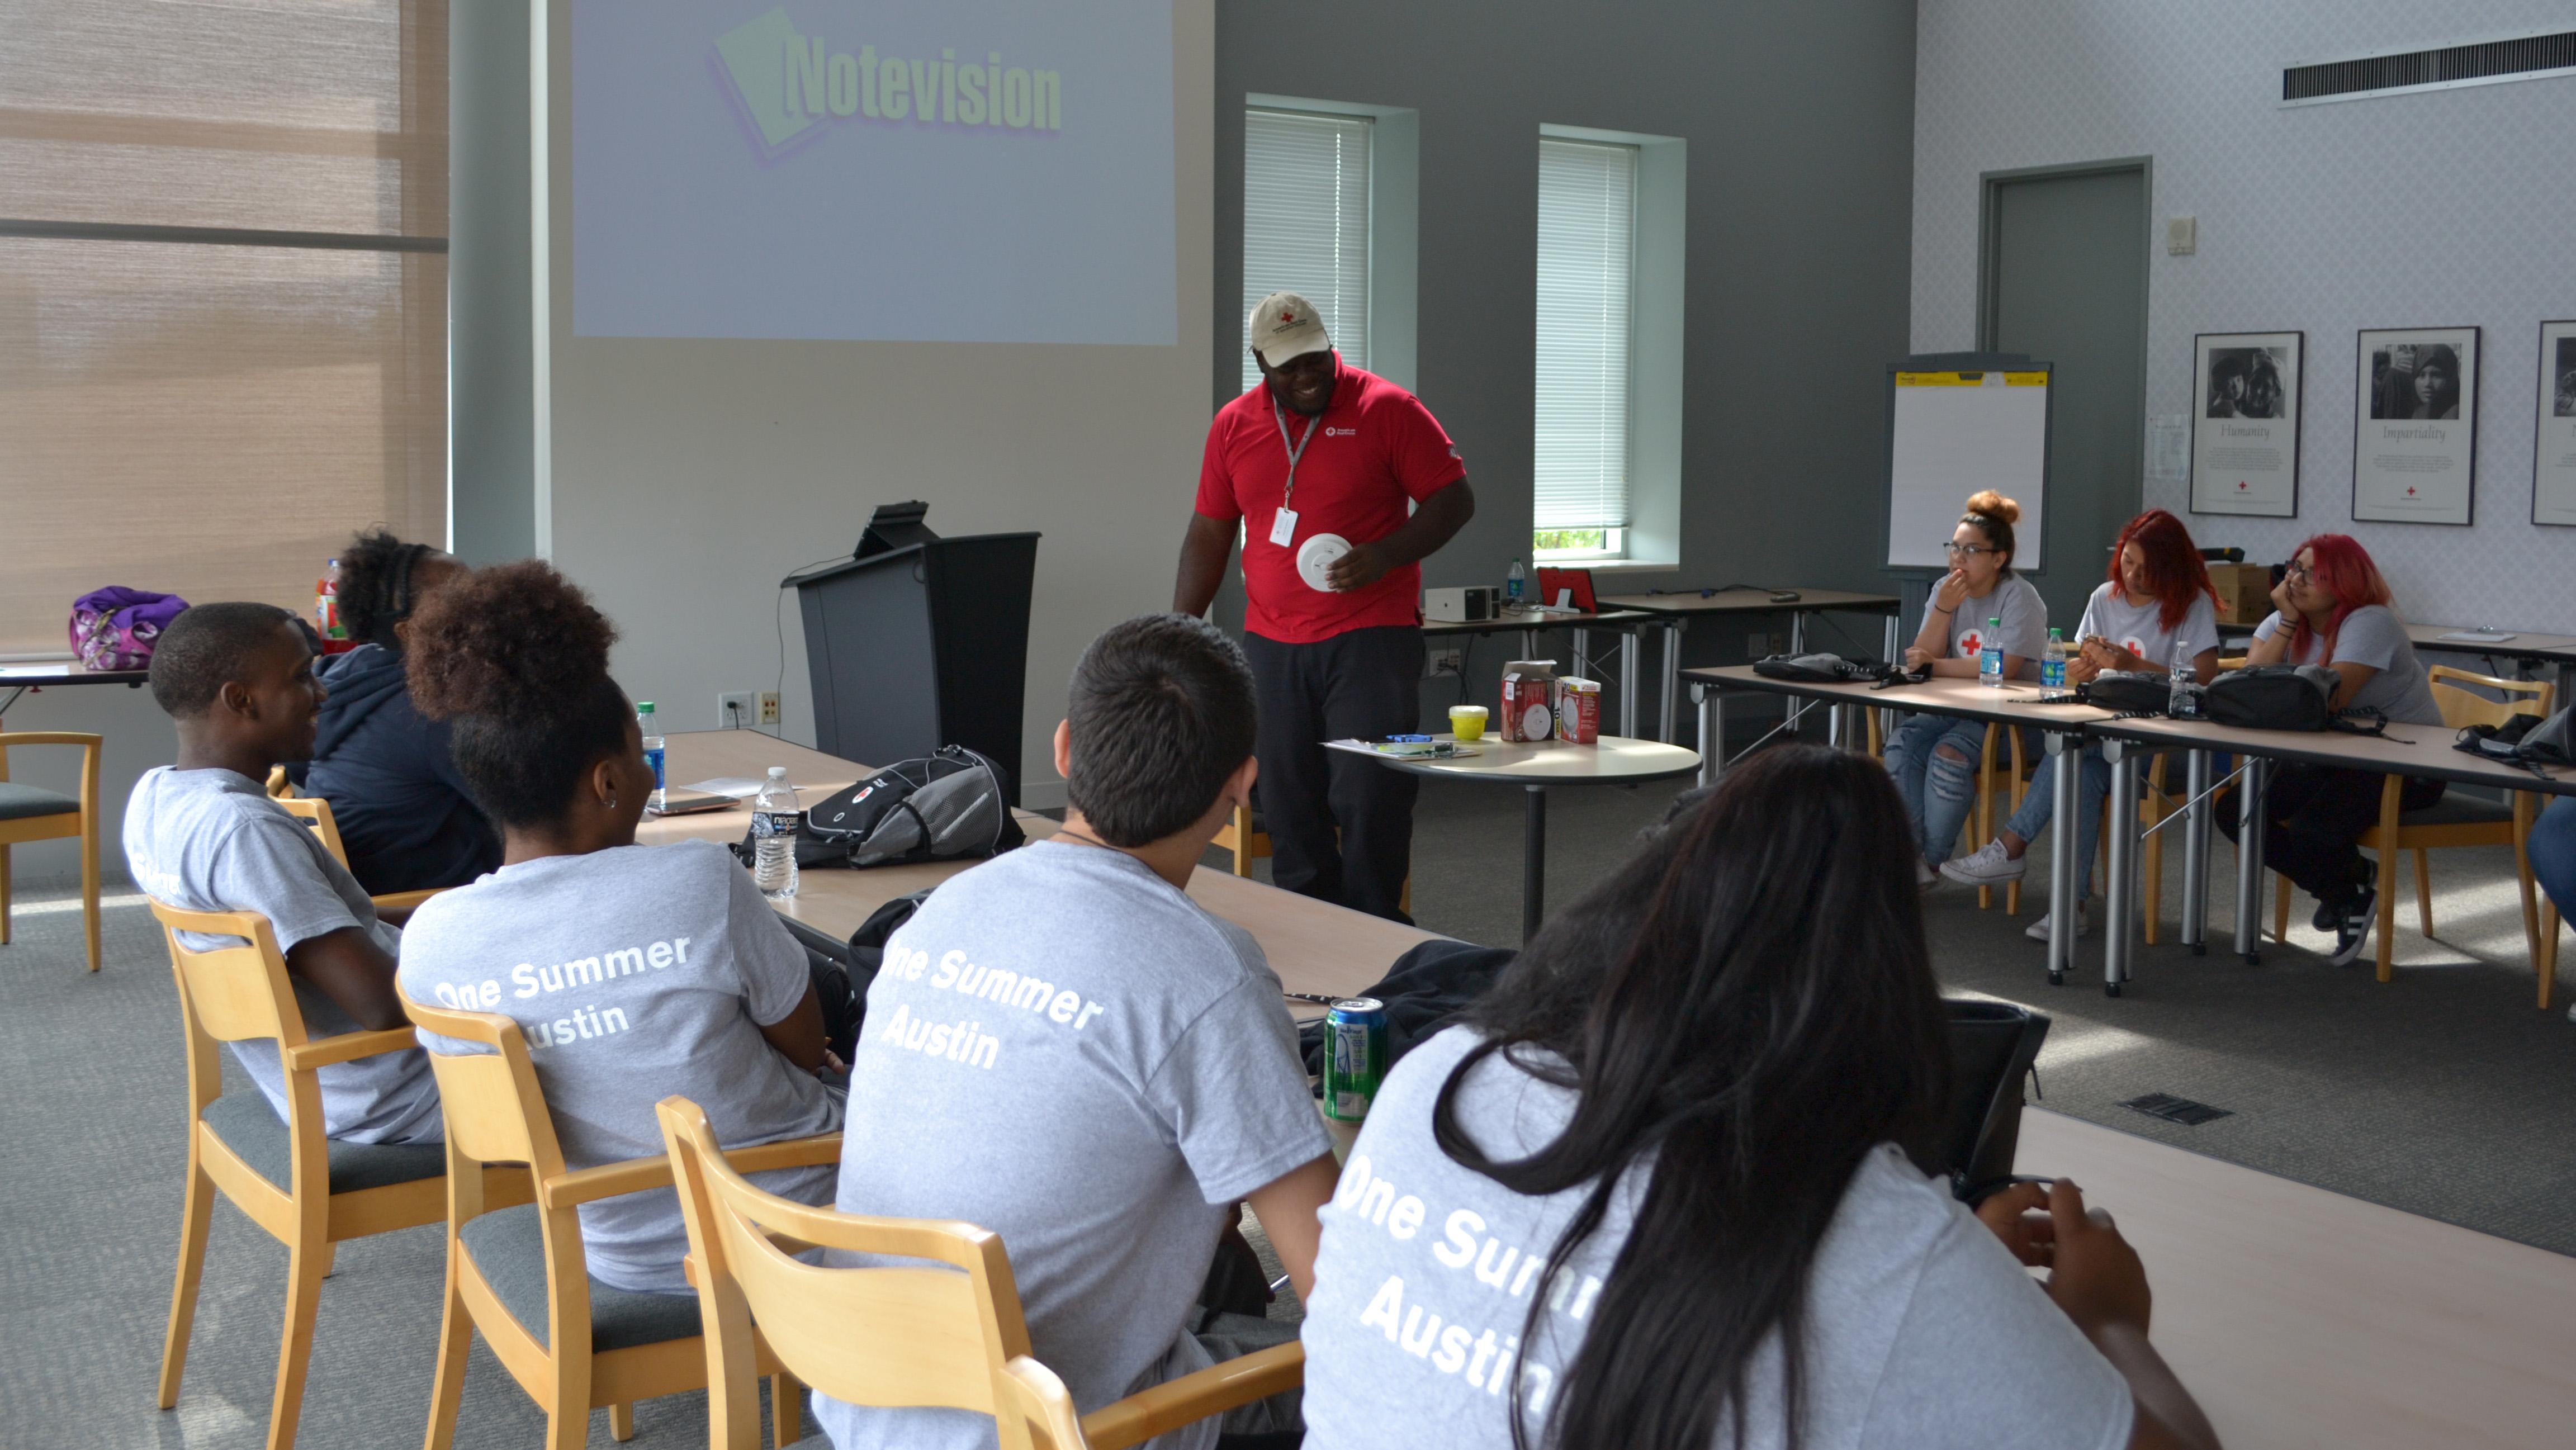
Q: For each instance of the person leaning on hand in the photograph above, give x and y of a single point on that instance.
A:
(1319, 448)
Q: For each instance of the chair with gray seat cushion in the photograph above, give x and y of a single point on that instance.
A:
(514, 1272)
(250, 1127)
(28, 813)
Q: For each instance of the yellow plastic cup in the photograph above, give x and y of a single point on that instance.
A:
(1467, 722)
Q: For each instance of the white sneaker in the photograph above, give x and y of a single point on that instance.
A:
(2038, 930)
(1926, 880)
(1986, 866)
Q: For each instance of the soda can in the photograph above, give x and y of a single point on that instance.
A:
(1354, 1057)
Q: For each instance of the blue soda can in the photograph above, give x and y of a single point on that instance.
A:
(1355, 1057)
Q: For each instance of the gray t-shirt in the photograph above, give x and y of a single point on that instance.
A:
(2140, 628)
(635, 973)
(2373, 635)
(1064, 1049)
(212, 840)
(2024, 616)
(1922, 1331)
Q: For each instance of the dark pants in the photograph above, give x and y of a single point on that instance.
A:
(1365, 684)
(2313, 815)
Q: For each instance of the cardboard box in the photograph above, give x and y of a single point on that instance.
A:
(2244, 592)
(1578, 711)
(1529, 699)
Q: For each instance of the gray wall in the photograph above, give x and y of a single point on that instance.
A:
(491, 444)
(1799, 120)
(2439, 209)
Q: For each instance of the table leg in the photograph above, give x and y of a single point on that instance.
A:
(1672, 678)
(2062, 885)
(2249, 860)
(1712, 732)
(1893, 651)
(1529, 644)
(1533, 861)
(1628, 653)
(1797, 632)
(2120, 905)
(2195, 853)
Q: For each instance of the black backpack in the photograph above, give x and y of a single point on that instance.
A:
(1818, 669)
(936, 808)
(2129, 692)
(2272, 697)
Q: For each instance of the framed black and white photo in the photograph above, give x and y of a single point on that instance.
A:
(2553, 448)
(2245, 422)
(2415, 425)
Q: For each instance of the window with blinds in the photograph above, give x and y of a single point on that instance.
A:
(1306, 221)
(223, 294)
(1587, 246)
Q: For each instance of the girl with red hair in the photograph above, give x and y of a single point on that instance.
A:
(2332, 608)
(2156, 596)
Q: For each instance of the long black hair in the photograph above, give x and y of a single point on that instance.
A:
(1745, 1010)
(377, 589)
(517, 657)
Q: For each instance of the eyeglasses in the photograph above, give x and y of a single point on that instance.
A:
(1969, 551)
(2299, 571)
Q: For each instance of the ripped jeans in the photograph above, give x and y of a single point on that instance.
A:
(1938, 789)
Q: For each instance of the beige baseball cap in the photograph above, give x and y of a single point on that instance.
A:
(1284, 326)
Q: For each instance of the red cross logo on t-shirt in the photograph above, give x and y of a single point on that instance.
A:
(2135, 646)
(1969, 644)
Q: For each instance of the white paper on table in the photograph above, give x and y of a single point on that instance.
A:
(741, 788)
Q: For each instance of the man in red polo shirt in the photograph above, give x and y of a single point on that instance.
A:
(1324, 450)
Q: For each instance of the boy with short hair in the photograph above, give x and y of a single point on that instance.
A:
(1065, 1049)
(202, 835)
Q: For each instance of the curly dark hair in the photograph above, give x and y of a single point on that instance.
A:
(376, 589)
(517, 657)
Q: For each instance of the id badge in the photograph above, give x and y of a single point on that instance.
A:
(1283, 527)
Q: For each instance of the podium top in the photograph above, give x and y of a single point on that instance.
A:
(809, 579)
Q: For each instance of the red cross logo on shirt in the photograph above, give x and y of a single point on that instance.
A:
(2410, 490)
(1969, 644)
(2240, 485)
(2135, 646)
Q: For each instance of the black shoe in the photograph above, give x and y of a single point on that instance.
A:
(2353, 929)
(2328, 913)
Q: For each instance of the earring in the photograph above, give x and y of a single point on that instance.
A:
(612, 803)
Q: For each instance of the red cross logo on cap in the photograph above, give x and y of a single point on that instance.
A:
(1286, 315)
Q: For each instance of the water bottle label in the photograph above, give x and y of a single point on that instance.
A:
(765, 824)
(653, 758)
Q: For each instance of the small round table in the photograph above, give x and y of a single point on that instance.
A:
(1617, 760)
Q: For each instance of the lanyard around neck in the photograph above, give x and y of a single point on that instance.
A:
(1296, 450)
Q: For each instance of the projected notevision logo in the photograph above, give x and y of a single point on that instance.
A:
(789, 84)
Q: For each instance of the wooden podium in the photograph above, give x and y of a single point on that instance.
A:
(919, 642)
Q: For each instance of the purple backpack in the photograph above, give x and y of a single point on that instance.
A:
(115, 628)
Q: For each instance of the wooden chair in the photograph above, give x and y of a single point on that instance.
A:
(2010, 780)
(1239, 836)
(315, 812)
(279, 787)
(305, 1190)
(31, 814)
(2455, 820)
(950, 1337)
(518, 1273)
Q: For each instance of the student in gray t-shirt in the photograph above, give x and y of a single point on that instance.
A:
(237, 681)
(2333, 608)
(634, 972)
(1065, 1049)
(1687, 1095)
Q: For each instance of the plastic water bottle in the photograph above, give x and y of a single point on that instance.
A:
(773, 836)
(652, 733)
(2052, 665)
(326, 604)
(1990, 656)
(1515, 584)
(2178, 701)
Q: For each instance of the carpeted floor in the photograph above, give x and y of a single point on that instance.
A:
(2442, 1094)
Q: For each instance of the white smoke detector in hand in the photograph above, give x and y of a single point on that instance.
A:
(1315, 559)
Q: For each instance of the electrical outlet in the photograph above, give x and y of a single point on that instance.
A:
(769, 707)
(733, 710)
(1757, 644)
(1443, 662)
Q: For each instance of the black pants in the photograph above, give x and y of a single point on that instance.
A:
(2314, 814)
(1365, 684)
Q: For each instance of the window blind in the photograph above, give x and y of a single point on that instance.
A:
(1587, 225)
(1306, 221)
(223, 294)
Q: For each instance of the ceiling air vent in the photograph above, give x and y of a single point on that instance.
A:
(2485, 62)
